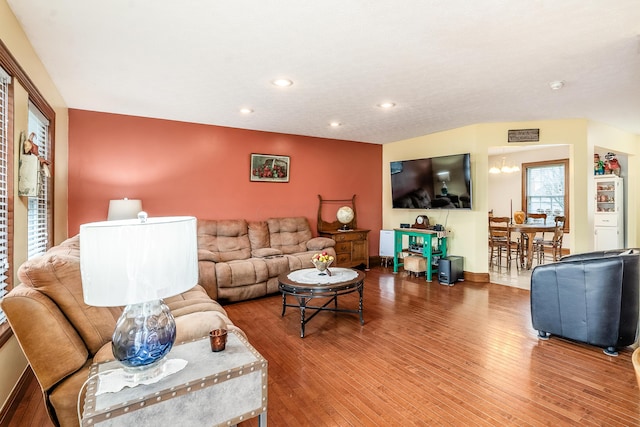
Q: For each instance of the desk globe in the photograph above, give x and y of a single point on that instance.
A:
(345, 216)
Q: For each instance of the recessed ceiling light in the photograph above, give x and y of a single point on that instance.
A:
(335, 124)
(387, 104)
(246, 110)
(282, 82)
(556, 85)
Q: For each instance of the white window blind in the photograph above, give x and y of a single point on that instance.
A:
(38, 207)
(5, 81)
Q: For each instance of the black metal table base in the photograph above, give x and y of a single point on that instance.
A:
(304, 297)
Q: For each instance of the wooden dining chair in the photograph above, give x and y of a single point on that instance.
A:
(524, 238)
(490, 216)
(554, 245)
(500, 241)
(535, 217)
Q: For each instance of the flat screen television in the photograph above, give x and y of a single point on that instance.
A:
(432, 183)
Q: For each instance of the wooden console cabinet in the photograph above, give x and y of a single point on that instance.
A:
(352, 243)
(352, 247)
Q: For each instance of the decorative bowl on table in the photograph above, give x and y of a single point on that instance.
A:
(322, 261)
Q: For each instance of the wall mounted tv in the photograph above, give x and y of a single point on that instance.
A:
(432, 183)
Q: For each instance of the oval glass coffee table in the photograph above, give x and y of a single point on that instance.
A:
(309, 283)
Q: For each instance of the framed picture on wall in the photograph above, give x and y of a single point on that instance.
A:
(270, 168)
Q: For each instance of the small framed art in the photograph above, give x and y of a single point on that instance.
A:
(270, 168)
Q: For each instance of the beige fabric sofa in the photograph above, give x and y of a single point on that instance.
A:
(240, 260)
(61, 336)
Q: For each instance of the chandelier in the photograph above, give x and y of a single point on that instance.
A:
(504, 168)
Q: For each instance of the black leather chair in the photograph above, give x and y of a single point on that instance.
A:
(590, 297)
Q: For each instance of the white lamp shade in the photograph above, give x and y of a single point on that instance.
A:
(129, 262)
(443, 176)
(124, 209)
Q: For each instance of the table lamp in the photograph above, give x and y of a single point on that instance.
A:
(124, 209)
(443, 177)
(135, 263)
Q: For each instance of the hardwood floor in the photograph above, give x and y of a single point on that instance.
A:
(31, 411)
(430, 354)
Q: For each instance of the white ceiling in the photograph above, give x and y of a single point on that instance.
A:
(445, 64)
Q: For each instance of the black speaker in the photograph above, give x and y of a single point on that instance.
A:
(450, 270)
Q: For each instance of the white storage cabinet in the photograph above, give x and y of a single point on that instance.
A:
(609, 215)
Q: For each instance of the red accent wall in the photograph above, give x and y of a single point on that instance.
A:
(179, 168)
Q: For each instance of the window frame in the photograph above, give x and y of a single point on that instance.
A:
(11, 66)
(533, 165)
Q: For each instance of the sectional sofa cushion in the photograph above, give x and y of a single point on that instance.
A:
(266, 252)
(320, 243)
(276, 246)
(290, 235)
(223, 240)
(259, 236)
(56, 276)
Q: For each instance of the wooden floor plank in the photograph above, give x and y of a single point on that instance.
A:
(429, 355)
(477, 355)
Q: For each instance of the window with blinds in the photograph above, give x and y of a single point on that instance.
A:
(5, 80)
(39, 207)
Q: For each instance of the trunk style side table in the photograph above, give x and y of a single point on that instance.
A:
(214, 389)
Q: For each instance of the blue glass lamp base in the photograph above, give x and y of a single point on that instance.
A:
(144, 335)
(142, 374)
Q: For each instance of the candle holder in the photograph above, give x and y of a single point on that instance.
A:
(218, 339)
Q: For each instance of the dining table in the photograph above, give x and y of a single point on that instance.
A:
(529, 229)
